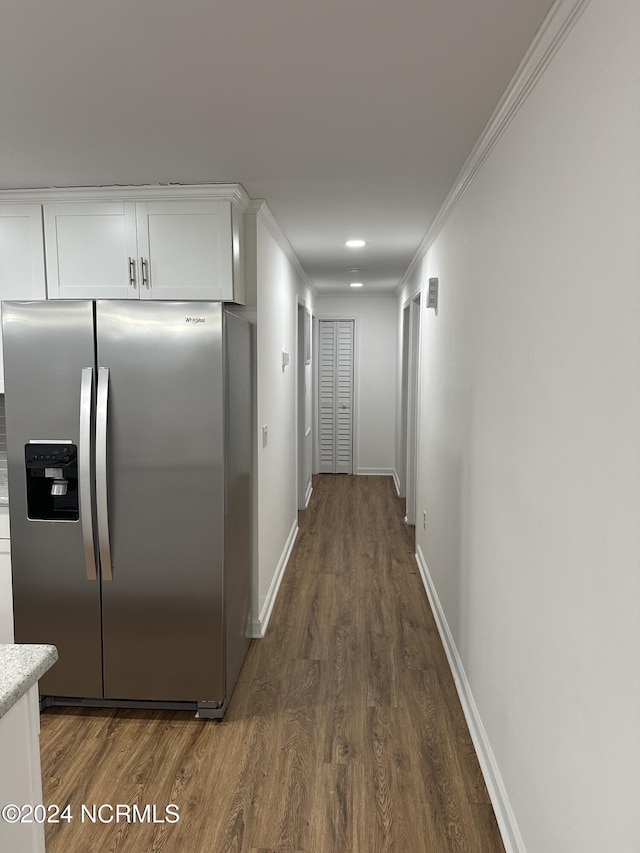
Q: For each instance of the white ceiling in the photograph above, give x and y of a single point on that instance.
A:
(350, 117)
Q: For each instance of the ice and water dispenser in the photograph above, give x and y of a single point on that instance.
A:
(52, 480)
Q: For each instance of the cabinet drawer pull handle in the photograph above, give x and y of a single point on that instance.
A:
(132, 273)
(145, 272)
(102, 507)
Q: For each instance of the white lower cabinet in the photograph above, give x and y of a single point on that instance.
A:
(21, 778)
(6, 595)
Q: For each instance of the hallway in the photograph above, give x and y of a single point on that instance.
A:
(344, 733)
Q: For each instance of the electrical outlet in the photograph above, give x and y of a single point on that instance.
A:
(424, 519)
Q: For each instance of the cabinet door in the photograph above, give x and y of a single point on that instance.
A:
(21, 257)
(185, 249)
(21, 776)
(91, 250)
(6, 595)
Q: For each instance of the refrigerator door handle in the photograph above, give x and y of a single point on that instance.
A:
(101, 473)
(84, 465)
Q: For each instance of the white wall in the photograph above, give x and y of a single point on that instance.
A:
(375, 381)
(530, 426)
(279, 286)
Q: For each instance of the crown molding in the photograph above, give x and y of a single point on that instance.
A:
(233, 192)
(556, 27)
(263, 212)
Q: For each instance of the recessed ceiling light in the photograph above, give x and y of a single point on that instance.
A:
(356, 244)
(356, 284)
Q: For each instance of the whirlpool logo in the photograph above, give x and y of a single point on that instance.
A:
(195, 319)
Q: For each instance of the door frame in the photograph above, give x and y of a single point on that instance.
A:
(414, 304)
(303, 433)
(404, 401)
(316, 386)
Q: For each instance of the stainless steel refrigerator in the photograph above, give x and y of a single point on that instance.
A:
(129, 464)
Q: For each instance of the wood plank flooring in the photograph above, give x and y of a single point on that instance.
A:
(344, 734)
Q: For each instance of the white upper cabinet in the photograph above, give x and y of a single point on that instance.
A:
(185, 249)
(147, 249)
(21, 257)
(89, 246)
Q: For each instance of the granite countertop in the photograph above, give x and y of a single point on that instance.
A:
(4, 486)
(20, 667)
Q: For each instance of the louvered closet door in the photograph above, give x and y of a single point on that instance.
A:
(336, 396)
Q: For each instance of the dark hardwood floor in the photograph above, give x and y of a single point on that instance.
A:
(344, 734)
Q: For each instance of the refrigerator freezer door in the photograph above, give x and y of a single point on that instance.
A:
(163, 610)
(47, 345)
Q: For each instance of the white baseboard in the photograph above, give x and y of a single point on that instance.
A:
(307, 496)
(259, 626)
(375, 472)
(511, 836)
(396, 482)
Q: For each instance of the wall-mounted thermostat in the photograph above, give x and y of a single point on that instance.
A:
(432, 296)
